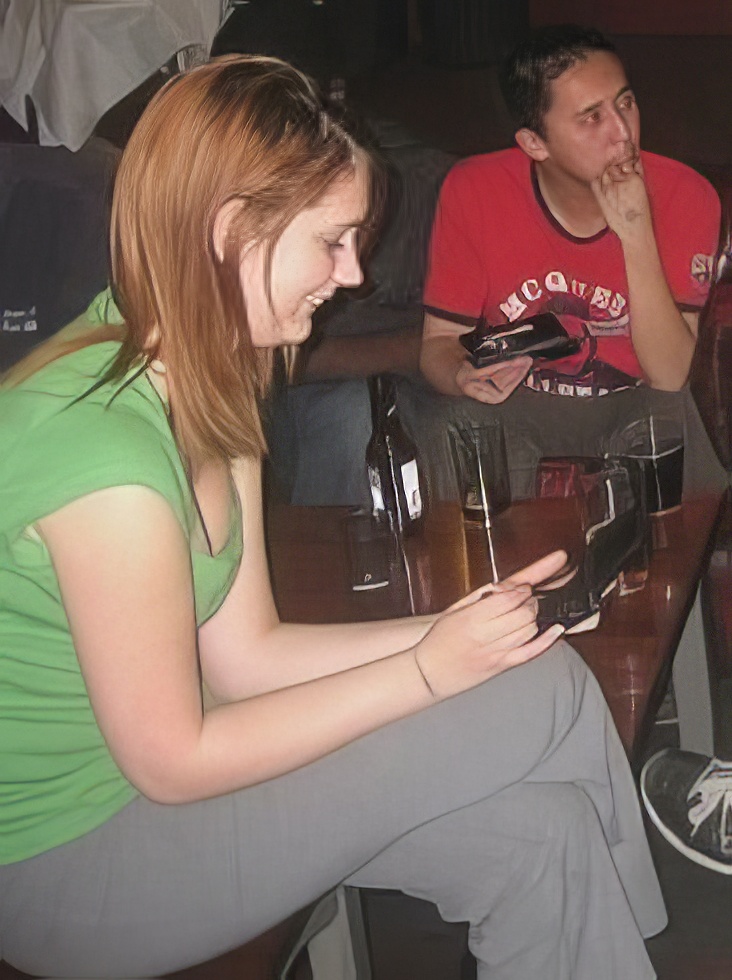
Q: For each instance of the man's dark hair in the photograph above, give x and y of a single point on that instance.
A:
(536, 61)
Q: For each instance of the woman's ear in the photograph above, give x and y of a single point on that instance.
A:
(222, 223)
(532, 144)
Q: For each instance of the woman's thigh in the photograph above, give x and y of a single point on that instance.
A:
(160, 887)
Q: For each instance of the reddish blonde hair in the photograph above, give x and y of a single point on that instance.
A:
(248, 128)
(242, 127)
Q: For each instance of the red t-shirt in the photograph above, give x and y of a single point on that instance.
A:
(498, 253)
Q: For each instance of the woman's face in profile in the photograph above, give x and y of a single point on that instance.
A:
(314, 256)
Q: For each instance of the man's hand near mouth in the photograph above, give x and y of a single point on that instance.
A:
(621, 194)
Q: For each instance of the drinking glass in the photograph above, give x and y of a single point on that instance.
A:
(481, 468)
(369, 548)
(656, 441)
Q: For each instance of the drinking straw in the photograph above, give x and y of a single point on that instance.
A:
(484, 505)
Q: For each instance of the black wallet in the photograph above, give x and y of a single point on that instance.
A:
(541, 336)
(616, 534)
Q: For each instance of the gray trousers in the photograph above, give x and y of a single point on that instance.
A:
(319, 433)
(511, 806)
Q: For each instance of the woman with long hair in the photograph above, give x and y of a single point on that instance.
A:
(462, 757)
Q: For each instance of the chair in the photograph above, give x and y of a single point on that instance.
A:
(259, 959)
(711, 386)
(710, 379)
(380, 934)
(704, 679)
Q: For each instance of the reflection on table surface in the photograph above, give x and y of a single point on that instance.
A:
(631, 650)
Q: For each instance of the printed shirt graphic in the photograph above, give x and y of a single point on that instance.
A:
(498, 253)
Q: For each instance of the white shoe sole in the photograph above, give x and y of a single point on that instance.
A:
(674, 841)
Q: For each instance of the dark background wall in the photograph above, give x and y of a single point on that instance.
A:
(431, 64)
(684, 17)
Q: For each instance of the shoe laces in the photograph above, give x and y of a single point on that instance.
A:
(713, 786)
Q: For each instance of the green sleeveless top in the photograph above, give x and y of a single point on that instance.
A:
(57, 777)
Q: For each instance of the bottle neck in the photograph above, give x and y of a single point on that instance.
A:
(382, 390)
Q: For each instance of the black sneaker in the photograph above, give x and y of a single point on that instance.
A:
(689, 798)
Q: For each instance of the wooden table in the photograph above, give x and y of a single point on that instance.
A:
(630, 652)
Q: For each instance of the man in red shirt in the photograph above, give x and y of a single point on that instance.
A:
(575, 220)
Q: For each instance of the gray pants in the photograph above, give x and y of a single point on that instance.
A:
(319, 433)
(511, 806)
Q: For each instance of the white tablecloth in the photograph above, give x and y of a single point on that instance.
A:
(78, 58)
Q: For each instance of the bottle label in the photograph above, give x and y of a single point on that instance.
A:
(410, 482)
(376, 494)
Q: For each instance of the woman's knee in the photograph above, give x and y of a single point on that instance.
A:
(564, 812)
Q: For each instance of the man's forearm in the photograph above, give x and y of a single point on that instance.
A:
(361, 355)
(440, 359)
(663, 341)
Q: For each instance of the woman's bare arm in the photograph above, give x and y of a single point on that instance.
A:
(124, 572)
(245, 650)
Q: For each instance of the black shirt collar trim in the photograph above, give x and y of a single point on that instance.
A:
(553, 221)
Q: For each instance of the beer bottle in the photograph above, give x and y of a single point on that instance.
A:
(395, 477)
